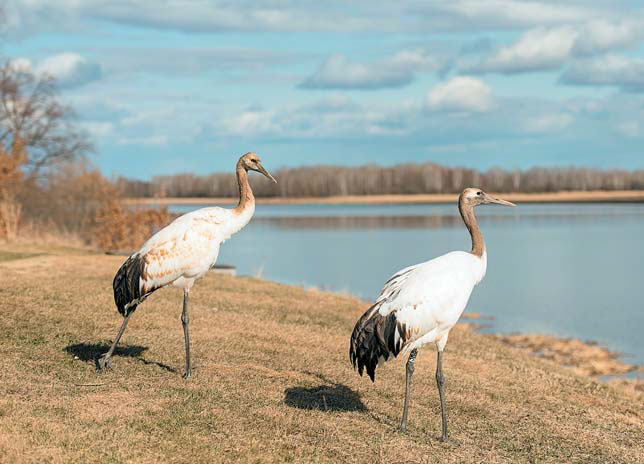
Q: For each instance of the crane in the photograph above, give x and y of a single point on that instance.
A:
(420, 304)
(181, 253)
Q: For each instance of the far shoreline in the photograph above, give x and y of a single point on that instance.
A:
(617, 196)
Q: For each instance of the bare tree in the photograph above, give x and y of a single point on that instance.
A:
(31, 112)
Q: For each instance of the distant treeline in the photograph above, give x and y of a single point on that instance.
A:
(322, 181)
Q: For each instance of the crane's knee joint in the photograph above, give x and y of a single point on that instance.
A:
(184, 318)
(410, 367)
(440, 379)
(410, 362)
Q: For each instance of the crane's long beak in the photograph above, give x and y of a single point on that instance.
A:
(265, 172)
(499, 201)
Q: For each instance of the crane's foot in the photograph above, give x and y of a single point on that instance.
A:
(449, 441)
(188, 375)
(104, 363)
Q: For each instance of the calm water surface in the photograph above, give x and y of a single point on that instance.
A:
(568, 270)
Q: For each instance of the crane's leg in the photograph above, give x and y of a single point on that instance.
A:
(410, 370)
(186, 335)
(440, 381)
(104, 362)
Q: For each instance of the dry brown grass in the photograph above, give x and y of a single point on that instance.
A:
(31, 233)
(629, 196)
(272, 382)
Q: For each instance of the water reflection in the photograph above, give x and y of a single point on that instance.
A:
(423, 222)
(362, 222)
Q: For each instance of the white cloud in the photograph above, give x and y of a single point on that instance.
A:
(544, 48)
(195, 16)
(333, 116)
(547, 123)
(69, 69)
(331, 104)
(98, 128)
(249, 123)
(190, 60)
(151, 117)
(515, 12)
(415, 59)
(458, 109)
(22, 65)
(629, 128)
(461, 93)
(537, 49)
(462, 110)
(610, 70)
(600, 35)
(25, 17)
(150, 140)
(338, 72)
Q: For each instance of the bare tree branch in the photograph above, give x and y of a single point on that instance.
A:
(30, 111)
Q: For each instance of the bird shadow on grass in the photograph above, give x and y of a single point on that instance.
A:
(334, 397)
(91, 352)
(161, 365)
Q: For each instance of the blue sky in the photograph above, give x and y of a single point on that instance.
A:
(172, 86)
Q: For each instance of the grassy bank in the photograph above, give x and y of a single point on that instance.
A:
(272, 381)
(625, 196)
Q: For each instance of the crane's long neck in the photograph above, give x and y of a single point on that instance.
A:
(246, 198)
(467, 213)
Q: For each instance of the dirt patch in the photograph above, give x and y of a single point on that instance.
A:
(586, 358)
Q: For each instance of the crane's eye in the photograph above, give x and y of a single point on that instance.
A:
(479, 193)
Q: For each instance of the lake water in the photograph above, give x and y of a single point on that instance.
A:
(570, 270)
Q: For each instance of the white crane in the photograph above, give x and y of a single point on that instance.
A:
(181, 253)
(421, 303)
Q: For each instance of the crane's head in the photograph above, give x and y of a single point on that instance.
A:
(251, 162)
(475, 196)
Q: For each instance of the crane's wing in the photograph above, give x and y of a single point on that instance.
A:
(394, 285)
(417, 301)
(186, 247)
(429, 295)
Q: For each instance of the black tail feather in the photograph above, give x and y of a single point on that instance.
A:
(373, 338)
(127, 288)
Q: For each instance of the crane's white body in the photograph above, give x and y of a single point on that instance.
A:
(420, 304)
(188, 247)
(429, 298)
(181, 253)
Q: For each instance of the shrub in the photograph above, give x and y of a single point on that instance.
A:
(11, 175)
(119, 228)
(77, 200)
